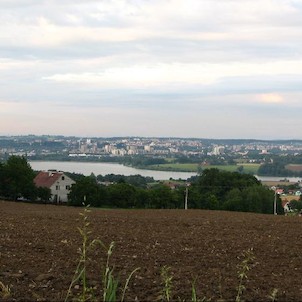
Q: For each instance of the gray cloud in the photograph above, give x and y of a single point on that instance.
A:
(155, 62)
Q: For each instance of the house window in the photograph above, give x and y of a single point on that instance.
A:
(57, 187)
(67, 187)
(63, 177)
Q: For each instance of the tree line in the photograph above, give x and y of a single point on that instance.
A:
(213, 189)
(277, 169)
(277, 166)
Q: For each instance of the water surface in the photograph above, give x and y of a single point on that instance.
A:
(87, 168)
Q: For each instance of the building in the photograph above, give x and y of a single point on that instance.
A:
(218, 150)
(58, 183)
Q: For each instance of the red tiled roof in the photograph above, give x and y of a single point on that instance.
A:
(288, 198)
(47, 179)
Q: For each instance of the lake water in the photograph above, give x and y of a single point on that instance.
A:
(275, 178)
(87, 168)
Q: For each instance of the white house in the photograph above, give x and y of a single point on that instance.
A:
(58, 183)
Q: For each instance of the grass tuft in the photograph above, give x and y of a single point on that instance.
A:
(4, 291)
(243, 268)
(273, 296)
(167, 283)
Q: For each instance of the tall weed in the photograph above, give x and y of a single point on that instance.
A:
(167, 283)
(243, 268)
(110, 284)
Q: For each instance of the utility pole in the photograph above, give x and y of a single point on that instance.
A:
(186, 199)
(275, 203)
(186, 196)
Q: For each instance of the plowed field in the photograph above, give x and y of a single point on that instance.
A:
(39, 252)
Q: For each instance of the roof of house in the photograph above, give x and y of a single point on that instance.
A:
(288, 198)
(47, 179)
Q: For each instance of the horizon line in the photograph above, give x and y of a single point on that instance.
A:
(149, 137)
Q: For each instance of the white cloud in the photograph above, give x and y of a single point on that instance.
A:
(61, 23)
(10, 64)
(161, 74)
(270, 98)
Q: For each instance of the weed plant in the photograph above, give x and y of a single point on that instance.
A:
(113, 291)
(4, 291)
(167, 283)
(243, 268)
(111, 285)
(273, 295)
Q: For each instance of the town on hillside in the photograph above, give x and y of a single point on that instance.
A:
(251, 150)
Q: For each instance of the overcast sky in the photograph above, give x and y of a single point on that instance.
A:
(182, 68)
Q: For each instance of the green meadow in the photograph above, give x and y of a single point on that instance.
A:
(247, 168)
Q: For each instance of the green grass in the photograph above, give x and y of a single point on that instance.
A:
(229, 168)
(247, 168)
(175, 167)
(250, 168)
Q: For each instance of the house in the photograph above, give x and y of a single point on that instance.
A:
(286, 199)
(58, 183)
(279, 191)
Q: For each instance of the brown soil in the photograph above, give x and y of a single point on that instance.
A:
(39, 251)
(294, 168)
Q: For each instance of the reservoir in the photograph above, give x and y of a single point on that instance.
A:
(87, 168)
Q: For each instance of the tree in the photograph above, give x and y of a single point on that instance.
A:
(240, 169)
(296, 205)
(43, 193)
(253, 199)
(210, 202)
(143, 198)
(1, 179)
(122, 195)
(18, 176)
(219, 183)
(199, 169)
(233, 200)
(232, 191)
(85, 191)
(162, 197)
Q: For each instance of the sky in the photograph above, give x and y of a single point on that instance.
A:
(165, 68)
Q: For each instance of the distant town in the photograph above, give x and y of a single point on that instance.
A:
(252, 150)
(263, 157)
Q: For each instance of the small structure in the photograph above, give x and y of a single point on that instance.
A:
(58, 183)
(279, 191)
(286, 207)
